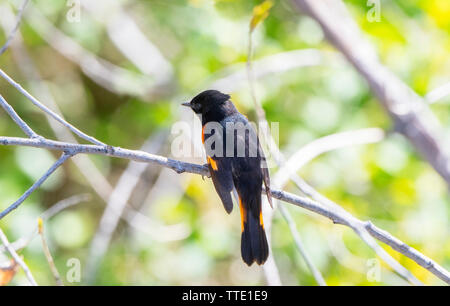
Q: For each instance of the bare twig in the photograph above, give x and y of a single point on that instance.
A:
(233, 78)
(135, 155)
(48, 111)
(48, 255)
(17, 258)
(325, 144)
(24, 62)
(22, 242)
(293, 228)
(22, 124)
(64, 204)
(278, 159)
(438, 93)
(106, 74)
(15, 28)
(116, 206)
(130, 40)
(37, 184)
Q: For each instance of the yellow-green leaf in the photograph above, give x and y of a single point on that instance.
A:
(260, 12)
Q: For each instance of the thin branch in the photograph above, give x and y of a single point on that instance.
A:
(24, 62)
(48, 111)
(284, 212)
(251, 79)
(233, 78)
(23, 242)
(298, 243)
(136, 155)
(36, 185)
(87, 168)
(17, 258)
(15, 28)
(438, 93)
(322, 145)
(325, 144)
(48, 254)
(64, 204)
(116, 206)
(130, 40)
(401, 247)
(106, 74)
(22, 124)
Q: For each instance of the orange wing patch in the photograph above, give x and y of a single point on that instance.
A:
(203, 133)
(243, 215)
(261, 221)
(213, 163)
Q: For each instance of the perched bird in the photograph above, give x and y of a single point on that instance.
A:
(234, 158)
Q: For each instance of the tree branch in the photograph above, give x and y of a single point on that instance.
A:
(48, 254)
(181, 167)
(48, 111)
(17, 258)
(22, 242)
(115, 207)
(15, 28)
(37, 184)
(298, 243)
(108, 75)
(22, 124)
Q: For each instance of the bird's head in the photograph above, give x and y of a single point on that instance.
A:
(206, 101)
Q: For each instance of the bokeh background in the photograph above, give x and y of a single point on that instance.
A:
(175, 230)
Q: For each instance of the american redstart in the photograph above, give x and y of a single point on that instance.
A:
(237, 165)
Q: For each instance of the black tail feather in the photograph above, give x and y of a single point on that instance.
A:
(254, 245)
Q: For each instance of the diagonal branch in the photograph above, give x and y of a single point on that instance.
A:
(108, 75)
(297, 239)
(48, 254)
(130, 40)
(322, 145)
(23, 242)
(17, 258)
(37, 184)
(325, 144)
(15, 28)
(115, 207)
(48, 111)
(22, 124)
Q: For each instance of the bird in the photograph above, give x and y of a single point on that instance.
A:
(236, 162)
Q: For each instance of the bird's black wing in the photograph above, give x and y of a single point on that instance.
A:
(220, 169)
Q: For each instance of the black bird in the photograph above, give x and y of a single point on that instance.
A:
(234, 158)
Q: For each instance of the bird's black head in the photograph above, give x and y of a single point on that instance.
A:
(207, 101)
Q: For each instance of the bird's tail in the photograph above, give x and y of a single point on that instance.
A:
(254, 245)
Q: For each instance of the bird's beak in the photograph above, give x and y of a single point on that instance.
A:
(188, 104)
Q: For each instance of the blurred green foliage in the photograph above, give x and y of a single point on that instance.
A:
(387, 183)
